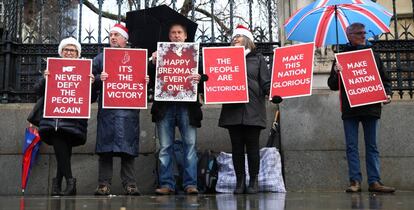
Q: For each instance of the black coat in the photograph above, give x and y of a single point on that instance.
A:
(118, 129)
(372, 110)
(254, 112)
(48, 127)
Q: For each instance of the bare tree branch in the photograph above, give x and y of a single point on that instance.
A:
(104, 14)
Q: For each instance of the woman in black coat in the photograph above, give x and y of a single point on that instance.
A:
(244, 121)
(63, 134)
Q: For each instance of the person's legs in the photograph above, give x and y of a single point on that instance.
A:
(166, 134)
(63, 152)
(127, 170)
(188, 136)
(105, 170)
(251, 136)
(237, 147)
(371, 152)
(352, 154)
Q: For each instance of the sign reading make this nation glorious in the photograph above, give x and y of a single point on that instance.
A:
(176, 63)
(68, 88)
(361, 78)
(125, 87)
(227, 77)
(292, 71)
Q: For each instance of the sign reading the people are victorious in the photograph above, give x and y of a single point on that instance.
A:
(176, 63)
(361, 78)
(292, 71)
(68, 88)
(125, 87)
(227, 78)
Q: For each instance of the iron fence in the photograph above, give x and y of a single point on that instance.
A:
(32, 30)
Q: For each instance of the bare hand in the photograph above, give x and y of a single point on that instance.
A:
(46, 73)
(195, 78)
(154, 57)
(147, 79)
(388, 100)
(104, 76)
(338, 68)
(92, 78)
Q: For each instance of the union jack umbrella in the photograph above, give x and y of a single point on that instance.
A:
(31, 147)
(325, 21)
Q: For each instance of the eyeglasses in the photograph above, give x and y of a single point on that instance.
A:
(237, 36)
(360, 33)
(67, 50)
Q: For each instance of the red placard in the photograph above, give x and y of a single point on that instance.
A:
(292, 71)
(361, 78)
(176, 62)
(68, 88)
(125, 87)
(227, 77)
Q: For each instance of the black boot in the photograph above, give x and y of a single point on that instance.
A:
(240, 185)
(70, 187)
(56, 187)
(253, 185)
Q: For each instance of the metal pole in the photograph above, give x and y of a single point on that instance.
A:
(80, 21)
(100, 2)
(336, 29)
(213, 38)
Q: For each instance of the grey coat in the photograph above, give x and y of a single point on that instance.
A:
(118, 129)
(254, 112)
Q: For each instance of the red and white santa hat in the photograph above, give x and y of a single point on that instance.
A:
(241, 30)
(121, 29)
(69, 41)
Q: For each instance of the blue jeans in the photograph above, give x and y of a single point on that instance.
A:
(177, 115)
(372, 162)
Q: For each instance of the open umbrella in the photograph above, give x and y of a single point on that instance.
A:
(325, 21)
(148, 26)
(31, 147)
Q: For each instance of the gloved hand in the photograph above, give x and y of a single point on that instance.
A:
(277, 99)
(204, 78)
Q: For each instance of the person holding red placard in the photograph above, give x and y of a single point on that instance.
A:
(187, 117)
(244, 121)
(63, 134)
(118, 129)
(368, 115)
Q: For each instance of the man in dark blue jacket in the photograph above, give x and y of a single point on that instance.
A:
(118, 129)
(368, 115)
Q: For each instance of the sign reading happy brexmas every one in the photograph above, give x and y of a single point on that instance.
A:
(227, 77)
(292, 71)
(361, 78)
(176, 63)
(68, 88)
(125, 87)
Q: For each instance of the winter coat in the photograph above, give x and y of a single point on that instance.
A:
(118, 129)
(254, 112)
(48, 127)
(372, 110)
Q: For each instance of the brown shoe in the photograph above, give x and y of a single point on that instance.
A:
(191, 191)
(164, 191)
(354, 187)
(379, 187)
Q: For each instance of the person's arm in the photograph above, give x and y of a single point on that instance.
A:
(333, 82)
(264, 75)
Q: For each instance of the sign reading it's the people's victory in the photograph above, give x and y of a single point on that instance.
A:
(125, 87)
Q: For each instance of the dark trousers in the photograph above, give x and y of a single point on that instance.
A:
(63, 153)
(243, 136)
(106, 169)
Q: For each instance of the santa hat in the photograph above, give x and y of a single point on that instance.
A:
(121, 29)
(241, 30)
(69, 41)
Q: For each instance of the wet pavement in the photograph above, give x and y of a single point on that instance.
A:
(308, 201)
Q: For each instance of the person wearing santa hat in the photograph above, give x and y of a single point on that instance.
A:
(117, 129)
(244, 121)
(61, 133)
